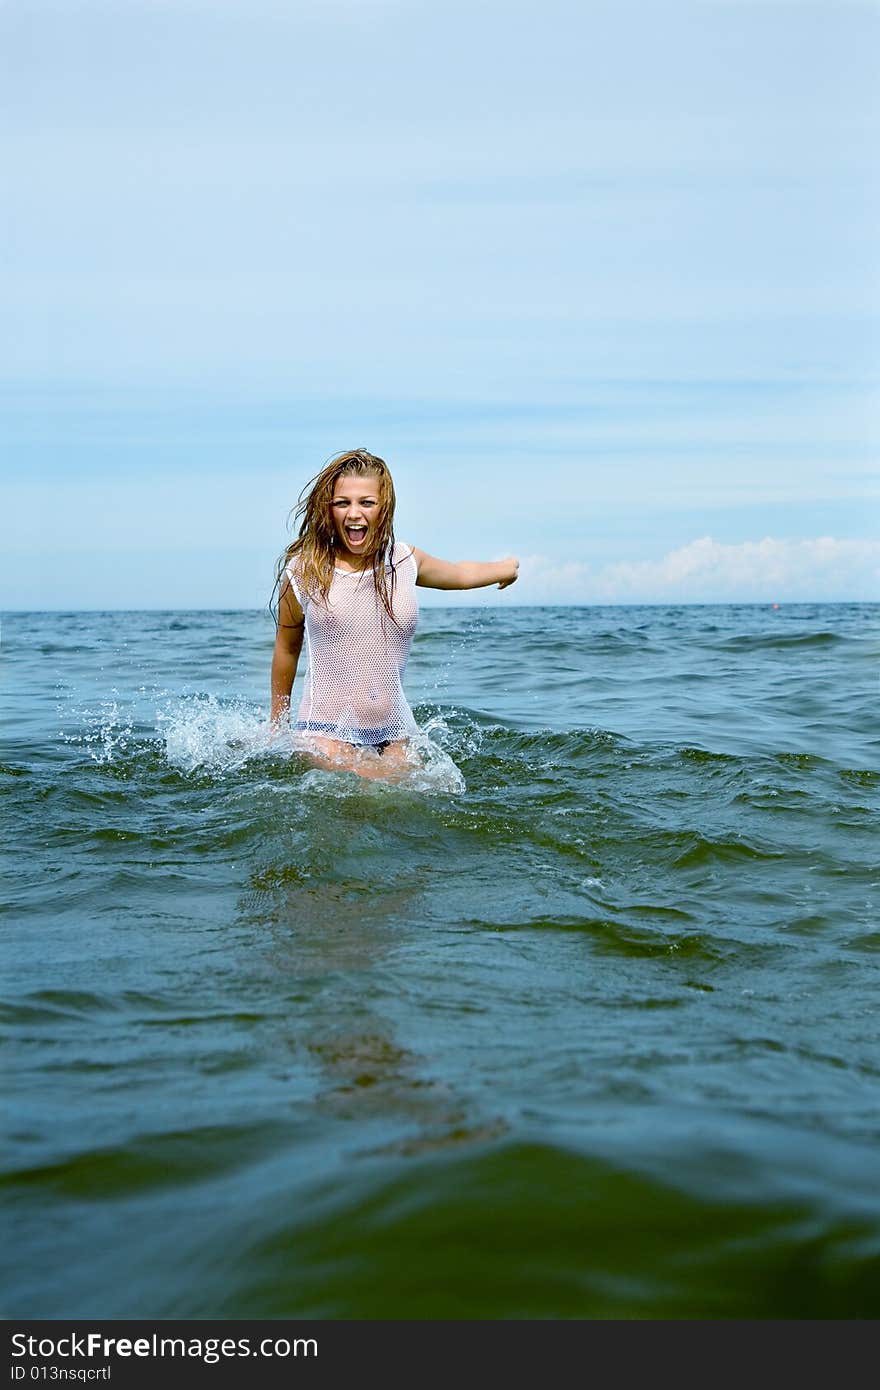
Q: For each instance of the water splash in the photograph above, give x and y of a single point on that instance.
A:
(205, 734)
(466, 636)
(434, 770)
(202, 733)
(106, 731)
(453, 731)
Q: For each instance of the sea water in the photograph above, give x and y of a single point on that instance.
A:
(581, 1020)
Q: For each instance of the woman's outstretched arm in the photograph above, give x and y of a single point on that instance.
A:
(465, 574)
(288, 645)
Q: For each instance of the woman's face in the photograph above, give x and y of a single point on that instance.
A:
(354, 509)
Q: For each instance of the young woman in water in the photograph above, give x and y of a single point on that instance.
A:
(349, 587)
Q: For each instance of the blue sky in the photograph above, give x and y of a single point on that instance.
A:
(599, 281)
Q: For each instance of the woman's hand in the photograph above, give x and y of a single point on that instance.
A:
(513, 565)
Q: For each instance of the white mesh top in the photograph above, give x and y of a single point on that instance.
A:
(357, 655)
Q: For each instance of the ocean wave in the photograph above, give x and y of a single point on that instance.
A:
(688, 1220)
(781, 641)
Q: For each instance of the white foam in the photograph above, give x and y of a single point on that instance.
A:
(201, 734)
(464, 739)
(433, 769)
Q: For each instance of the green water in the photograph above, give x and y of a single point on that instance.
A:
(581, 1023)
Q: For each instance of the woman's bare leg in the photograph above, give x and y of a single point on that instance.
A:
(333, 755)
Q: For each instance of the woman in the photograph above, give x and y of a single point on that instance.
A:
(350, 587)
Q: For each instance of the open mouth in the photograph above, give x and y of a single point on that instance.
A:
(356, 534)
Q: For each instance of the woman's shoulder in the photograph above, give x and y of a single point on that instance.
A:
(402, 552)
(293, 573)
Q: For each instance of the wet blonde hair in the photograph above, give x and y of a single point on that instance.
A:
(315, 546)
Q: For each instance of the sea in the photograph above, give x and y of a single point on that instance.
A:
(579, 1020)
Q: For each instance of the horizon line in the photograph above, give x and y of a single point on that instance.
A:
(481, 607)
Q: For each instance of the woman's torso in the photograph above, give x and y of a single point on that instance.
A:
(357, 654)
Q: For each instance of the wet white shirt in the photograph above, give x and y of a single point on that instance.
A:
(357, 656)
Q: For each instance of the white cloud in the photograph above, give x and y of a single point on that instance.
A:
(705, 571)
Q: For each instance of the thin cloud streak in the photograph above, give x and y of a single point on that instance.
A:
(820, 569)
